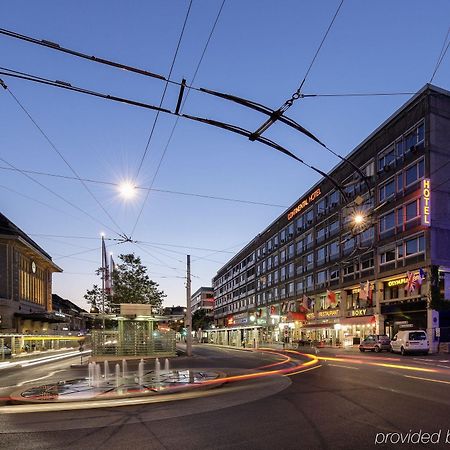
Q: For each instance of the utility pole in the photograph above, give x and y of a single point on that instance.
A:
(188, 318)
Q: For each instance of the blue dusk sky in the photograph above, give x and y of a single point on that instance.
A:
(259, 50)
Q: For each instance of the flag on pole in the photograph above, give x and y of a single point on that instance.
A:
(369, 294)
(363, 294)
(422, 276)
(305, 302)
(112, 268)
(105, 269)
(411, 283)
(331, 297)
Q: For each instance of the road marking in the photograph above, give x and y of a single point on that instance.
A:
(301, 371)
(427, 379)
(345, 367)
(40, 378)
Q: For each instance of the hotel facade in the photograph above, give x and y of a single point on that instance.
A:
(375, 258)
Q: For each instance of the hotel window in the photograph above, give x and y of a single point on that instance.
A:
(299, 287)
(269, 263)
(307, 241)
(263, 266)
(367, 235)
(283, 256)
(321, 277)
(291, 290)
(300, 223)
(321, 207)
(387, 255)
(299, 269)
(275, 277)
(367, 264)
(321, 255)
(275, 293)
(291, 251)
(387, 158)
(323, 302)
(387, 222)
(349, 244)
(333, 249)
(334, 273)
(269, 245)
(308, 261)
(283, 292)
(309, 282)
(349, 270)
(309, 217)
(320, 235)
(283, 236)
(415, 245)
(333, 227)
(269, 280)
(291, 270)
(275, 242)
(275, 261)
(290, 230)
(283, 273)
(387, 190)
(414, 173)
(299, 247)
(412, 210)
(333, 199)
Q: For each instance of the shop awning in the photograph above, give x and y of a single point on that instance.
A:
(295, 316)
(319, 325)
(363, 320)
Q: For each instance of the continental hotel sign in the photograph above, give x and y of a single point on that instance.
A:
(304, 203)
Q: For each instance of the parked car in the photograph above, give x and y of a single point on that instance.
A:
(375, 343)
(5, 350)
(410, 341)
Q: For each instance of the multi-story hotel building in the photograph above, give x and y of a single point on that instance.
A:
(25, 283)
(203, 299)
(336, 266)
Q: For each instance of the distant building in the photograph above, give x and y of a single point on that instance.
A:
(75, 318)
(25, 282)
(203, 299)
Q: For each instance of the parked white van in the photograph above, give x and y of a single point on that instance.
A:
(410, 341)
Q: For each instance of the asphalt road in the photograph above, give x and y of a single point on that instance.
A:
(348, 401)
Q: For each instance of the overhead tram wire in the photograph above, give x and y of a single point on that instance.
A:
(177, 111)
(441, 55)
(73, 205)
(164, 191)
(66, 162)
(297, 94)
(156, 119)
(165, 89)
(223, 125)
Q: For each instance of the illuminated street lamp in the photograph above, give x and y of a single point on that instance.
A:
(127, 190)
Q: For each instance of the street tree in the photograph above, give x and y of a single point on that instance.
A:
(200, 319)
(131, 283)
(94, 298)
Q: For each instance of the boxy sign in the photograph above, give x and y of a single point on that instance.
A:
(426, 202)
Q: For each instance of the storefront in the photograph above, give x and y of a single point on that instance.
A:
(358, 324)
(322, 327)
(245, 336)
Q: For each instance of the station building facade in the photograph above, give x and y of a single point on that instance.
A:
(25, 283)
(337, 266)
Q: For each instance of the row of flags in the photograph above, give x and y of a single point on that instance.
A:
(108, 267)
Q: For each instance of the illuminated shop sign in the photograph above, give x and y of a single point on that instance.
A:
(401, 281)
(332, 313)
(359, 312)
(426, 206)
(304, 203)
(310, 316)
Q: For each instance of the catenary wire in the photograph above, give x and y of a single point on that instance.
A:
(58, 195)
(165, 90)
(64, 159)
(441, 55)
(178, 117)
(165, 191)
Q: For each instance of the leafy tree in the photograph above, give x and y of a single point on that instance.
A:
(131, 283)
(94, 297)
(200, 319)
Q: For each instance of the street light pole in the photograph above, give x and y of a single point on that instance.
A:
(188, 323)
